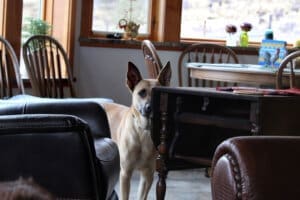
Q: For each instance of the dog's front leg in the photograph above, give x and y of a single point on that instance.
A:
(125, 176)
(146, 180)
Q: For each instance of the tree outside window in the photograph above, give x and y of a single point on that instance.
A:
(208, 18)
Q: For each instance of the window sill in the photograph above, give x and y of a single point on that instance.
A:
(171, 46)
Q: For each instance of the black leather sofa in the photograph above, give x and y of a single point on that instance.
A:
(85, 111)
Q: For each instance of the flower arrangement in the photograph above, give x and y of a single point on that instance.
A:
(246, 26)
(130, 27)
(231, 30)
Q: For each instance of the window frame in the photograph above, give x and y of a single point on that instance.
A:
(11, 24)
(164, 27)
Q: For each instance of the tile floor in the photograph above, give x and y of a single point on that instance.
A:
(181, 185)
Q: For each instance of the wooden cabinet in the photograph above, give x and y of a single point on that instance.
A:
(189, 123)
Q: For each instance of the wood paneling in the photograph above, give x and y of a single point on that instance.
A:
(11, 22)
(172, 20)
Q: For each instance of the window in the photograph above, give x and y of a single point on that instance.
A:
(59, 13)
(130, 10)
(205, 20)
(208, 18)
(162, 25)
(32, 10)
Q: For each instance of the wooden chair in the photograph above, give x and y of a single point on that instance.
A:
(205, 53)
(152, 59)
(48, 67)
(288, 62)
(10, 78)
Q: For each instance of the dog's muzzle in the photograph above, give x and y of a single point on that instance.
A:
(146, 110)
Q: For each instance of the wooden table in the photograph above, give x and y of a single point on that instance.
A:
(238, 73)
(190, 122)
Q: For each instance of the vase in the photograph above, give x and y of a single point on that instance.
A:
(244, 39)
(231, 40)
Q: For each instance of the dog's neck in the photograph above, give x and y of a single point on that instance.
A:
(141, 122)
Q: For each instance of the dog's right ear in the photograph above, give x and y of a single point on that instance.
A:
(164, 76)
(133, 76)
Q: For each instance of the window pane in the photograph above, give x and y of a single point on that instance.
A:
(208, 18)
(31, 9)
(107, 13)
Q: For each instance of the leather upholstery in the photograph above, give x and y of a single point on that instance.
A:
(257, 168)
(88, 110)
(92, 113)
(57, 151)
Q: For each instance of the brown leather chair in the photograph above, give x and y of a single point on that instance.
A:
(256, 168)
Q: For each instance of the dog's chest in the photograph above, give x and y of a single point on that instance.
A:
(146, 144)
(147, 150)
(136, 146)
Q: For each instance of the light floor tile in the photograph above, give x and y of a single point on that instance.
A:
(182, 185)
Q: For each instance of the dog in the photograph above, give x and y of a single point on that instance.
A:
(130, 129)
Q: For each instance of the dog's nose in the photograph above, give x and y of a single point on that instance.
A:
(147, 109)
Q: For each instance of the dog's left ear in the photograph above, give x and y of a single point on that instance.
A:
(133, 76)
(164, 76)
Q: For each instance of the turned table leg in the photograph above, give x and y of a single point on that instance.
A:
(160, 161)
(161, 183)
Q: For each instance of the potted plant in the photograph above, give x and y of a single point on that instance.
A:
(34, 26)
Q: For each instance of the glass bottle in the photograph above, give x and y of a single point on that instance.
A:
(244, 39)
(231, 40)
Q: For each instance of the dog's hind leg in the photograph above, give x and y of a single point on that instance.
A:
(146, 180)
(125, 177)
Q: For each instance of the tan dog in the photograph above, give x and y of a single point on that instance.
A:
(130, 128)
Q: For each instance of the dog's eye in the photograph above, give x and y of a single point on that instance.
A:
(143, 93)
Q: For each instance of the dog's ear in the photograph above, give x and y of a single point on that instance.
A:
(133, 76)
(164, 76)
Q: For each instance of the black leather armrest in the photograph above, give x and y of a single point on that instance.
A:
(108, 160)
